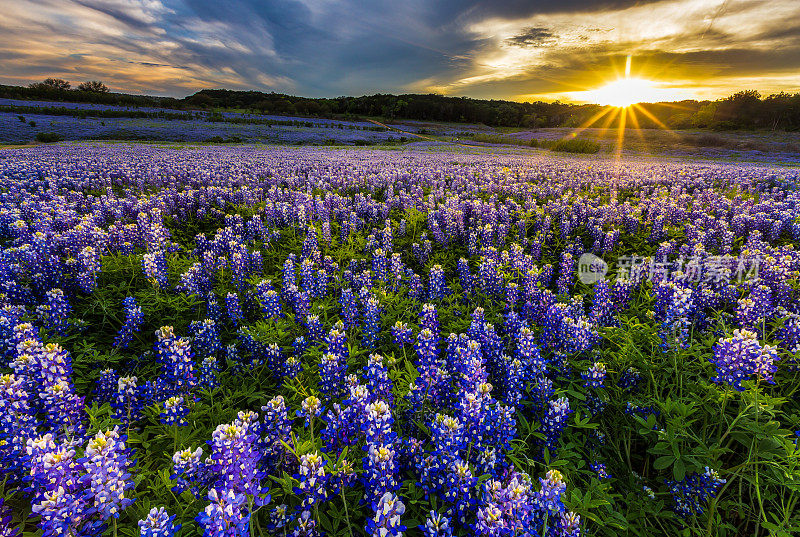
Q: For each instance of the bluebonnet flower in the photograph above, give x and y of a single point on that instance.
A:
(349, 308)
(17, 424)
(464, 275)
(55, 312)
(299, 345)
(554, 421)
(448, 435)
(275, 360)
(315, 329)
(313, 480)
(436, 525)
(429, 319)
(278, 517)
(512, 380)
(154, 266)
(88, 268)
(595, 376)
(629, 380)
(234, 308)
(61, 512)
(226, 514)
(269, 300)
(209, 373)
(306, 525)
(378, 423)
(490, 521)
(458, 490)
(292, 367)
(6, 530)
(548, 498)
(189, 471)
(276, 423)
(386, 521)
(602, 306)
(176, 358)
(236, 458)
(427, 352)
(206, 337)
(175, 411)
(127, 404)
(311, 408)
(133, 320)
(341, 428)
(106, 464)
(692, 493)
(533, 366)
(401, 333)
(437, 287)
(741, 356)
(377, 377)
(380, 471)
(60, 496)
(158, 523)
(379, 263)
(332, 370)
(600, 469)
(674, 305)
(764, 365)
(568, 524)
(566, 273)
(372, 323)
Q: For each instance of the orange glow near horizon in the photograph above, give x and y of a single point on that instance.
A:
(621, 100)
(628, 90)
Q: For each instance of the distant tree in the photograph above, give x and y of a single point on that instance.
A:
(94, 86)
(704, 116)
(201, 99)
(51, 84)
(741, 109)
(283, 106)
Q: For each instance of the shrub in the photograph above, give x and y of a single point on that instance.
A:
(574, 145)
(710, 140)
(488, 138)
(48, 137)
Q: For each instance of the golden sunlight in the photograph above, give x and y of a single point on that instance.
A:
(627, 90)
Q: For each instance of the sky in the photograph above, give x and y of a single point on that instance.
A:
(521, 50)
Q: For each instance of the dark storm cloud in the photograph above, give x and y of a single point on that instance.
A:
(532, 37)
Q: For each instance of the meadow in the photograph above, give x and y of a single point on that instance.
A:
(26, 121)
(241, 341)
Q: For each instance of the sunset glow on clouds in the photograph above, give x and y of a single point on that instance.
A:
(517, 50)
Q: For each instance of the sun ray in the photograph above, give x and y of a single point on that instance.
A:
(620, 138)
(591, 121)
(653, 118)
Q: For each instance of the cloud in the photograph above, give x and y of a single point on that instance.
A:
(510, 49)
(532, 37)
(677, 41)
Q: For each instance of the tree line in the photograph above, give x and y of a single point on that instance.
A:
(742, 110)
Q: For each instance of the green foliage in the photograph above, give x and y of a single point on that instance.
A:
(48, 137)
(573, 145)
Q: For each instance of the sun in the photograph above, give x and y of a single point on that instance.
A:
(624, 92)
(627, 90)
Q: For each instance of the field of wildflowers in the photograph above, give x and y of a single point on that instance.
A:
(233, 341)
(22, 121)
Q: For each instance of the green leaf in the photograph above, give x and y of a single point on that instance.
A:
(663, 462)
